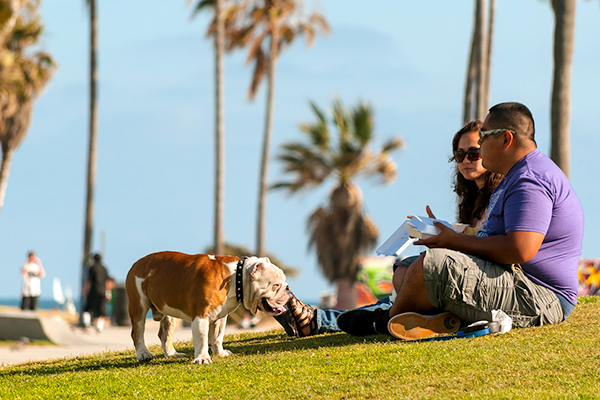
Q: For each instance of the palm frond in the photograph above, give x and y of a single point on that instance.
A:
(362, 122)
(392, 144)
(306, 164)
(261, 66)
(319, 21)
(341, 120)
(318, 131)
(201, 6)
(310, 33)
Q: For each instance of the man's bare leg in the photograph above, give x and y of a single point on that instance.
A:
(411, 302)
(411, 293)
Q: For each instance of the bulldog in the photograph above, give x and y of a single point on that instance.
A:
(201, 289)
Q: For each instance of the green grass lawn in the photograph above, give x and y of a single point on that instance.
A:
(560, 361)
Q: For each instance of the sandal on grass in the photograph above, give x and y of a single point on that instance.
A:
(287, 322)
(305, 317)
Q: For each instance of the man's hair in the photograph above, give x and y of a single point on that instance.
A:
(513, 116)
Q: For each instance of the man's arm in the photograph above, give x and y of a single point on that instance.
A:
(513, 248)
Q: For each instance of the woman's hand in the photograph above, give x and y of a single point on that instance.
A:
(429, 213)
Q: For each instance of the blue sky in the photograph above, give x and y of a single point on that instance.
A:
(155, 162)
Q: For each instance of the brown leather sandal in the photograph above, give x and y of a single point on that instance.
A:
(304, 316)
(286, 320)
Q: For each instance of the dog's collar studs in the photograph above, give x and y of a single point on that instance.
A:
(239, 287)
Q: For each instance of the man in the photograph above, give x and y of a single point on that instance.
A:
(95, 306)
(523, 261)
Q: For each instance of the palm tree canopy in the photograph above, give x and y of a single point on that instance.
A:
(347, 157)
(231, 9)
(264, 26)
(23, 74)
(340, 231)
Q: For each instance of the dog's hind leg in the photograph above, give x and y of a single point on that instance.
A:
(215, 336)
(165, 333)
(139, 305)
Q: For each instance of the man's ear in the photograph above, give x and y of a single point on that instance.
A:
(257, 269)
(509, 140)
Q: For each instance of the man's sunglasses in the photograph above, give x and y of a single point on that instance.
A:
(485, 134)
(473, 154)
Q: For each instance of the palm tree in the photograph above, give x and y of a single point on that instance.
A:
(477, 84)
(340, 231)
(217, 30)
(266, 27)
(564, 43)
(92, 142)
(23, 76)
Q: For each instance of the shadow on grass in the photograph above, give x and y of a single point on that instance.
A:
(240, 345)
(274, 342)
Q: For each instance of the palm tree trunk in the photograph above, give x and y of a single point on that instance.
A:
(469, 83)
(5, 164)
(469, 105)
(564, 43)
(219, 128)
(481, 60)
(488, 58)
(346, 294)
(264, 166)
(91, 167)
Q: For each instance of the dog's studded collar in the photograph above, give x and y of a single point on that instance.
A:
(239, 287)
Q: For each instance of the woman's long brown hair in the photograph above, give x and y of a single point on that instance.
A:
(472, 201)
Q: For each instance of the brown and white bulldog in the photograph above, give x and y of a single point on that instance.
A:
(202, 289)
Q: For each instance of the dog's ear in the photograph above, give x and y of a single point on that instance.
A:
(257, 269)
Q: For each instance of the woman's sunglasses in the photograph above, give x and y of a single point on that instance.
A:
(473, 154)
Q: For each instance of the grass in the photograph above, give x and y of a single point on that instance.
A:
(556, 361)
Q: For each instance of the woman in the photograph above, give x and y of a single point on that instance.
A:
(473, 185)
(32, 272)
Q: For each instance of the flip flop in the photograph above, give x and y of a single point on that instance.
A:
(414, 326)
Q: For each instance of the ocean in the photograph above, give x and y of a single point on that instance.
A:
(43, 304)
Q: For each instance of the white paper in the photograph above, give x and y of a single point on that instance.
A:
(410, 231)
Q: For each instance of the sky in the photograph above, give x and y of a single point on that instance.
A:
(155, 168)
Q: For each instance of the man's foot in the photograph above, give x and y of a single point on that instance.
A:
(413, 326)
(300, 319)
(364, 321)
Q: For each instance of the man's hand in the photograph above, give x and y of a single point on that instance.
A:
(445, 239)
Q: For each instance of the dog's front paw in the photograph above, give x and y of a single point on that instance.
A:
(224, 353)
(202, 359)
(144, 355)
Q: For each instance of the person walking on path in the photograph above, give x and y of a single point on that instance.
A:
(95, 290)
(32, 272)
